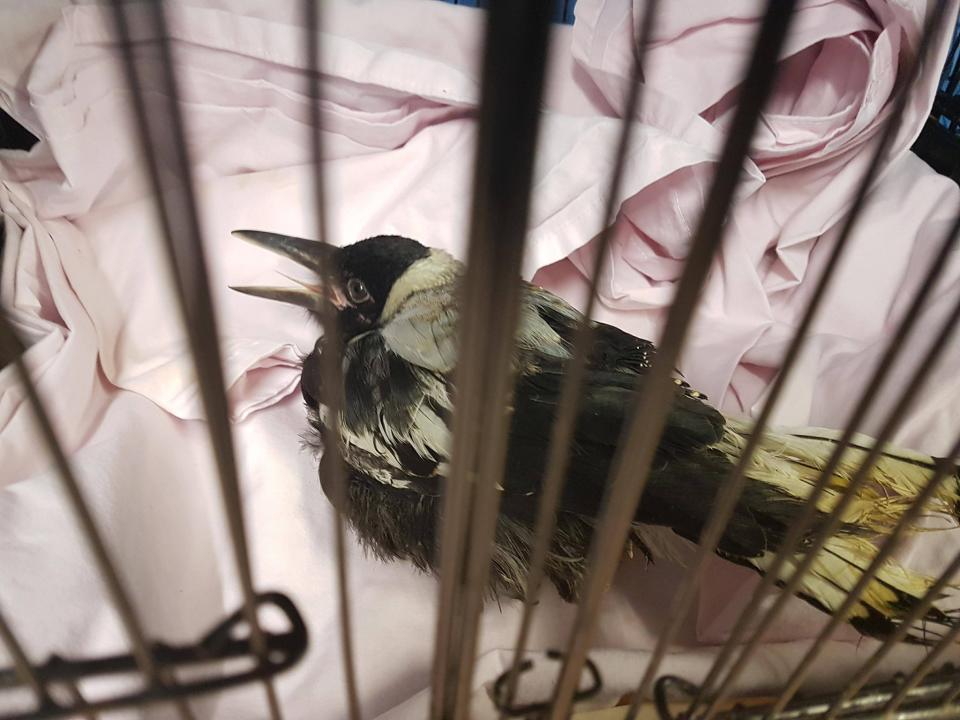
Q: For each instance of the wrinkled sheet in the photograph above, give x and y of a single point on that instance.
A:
(85, 281)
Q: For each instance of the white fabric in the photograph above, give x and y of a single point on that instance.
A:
(85, 281)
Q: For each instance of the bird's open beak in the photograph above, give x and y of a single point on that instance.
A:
(308, 253)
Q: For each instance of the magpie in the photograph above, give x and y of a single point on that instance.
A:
(397, 310)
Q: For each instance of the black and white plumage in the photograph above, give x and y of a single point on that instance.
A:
(396, 306)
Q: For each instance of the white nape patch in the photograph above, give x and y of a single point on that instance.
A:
(439, 268)
(419, 318)
(423, 331)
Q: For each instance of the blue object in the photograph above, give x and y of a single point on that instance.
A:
(939, 142)
(562, 9)
(950, 86)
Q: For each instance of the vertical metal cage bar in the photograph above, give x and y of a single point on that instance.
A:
(331, 372)
(642, 436)
(457, 495)
(735, 485)
(21, 664)
(834, 519)
(78, 698)
(561, 436)
(183, 245)
(10, 346)
(513, 73)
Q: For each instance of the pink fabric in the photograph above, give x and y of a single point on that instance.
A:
(85, 281)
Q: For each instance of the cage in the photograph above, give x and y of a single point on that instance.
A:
(168, 547)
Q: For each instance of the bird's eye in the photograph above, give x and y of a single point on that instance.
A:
(357, 291)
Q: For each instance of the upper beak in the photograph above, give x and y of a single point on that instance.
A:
(316, 256)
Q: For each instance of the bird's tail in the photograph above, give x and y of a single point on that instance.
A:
(885, 602)
(791, 462)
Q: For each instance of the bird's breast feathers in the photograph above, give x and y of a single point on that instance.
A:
(398, 397)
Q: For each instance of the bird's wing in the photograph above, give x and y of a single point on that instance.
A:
(616, 371)
(613, 349)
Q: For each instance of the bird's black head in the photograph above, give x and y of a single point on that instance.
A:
(367, 271)
(362, 275)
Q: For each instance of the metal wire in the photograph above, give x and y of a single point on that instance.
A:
(133, 627)
(922, 670)
(561, 436)
(79, 700)
(224, 643)
(953, 693)
(835, 518)
(330, 361)
(183, 245)
(456, 503)
(727, 502)
(21, 663)
(642, 436)
(513, 72)
(926, 700)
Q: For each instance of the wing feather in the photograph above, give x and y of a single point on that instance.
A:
(618, 364)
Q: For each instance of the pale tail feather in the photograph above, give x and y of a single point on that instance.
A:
(792, 460)
(886, 599)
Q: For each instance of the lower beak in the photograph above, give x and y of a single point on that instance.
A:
(313, 255)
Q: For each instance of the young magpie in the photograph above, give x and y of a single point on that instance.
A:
(397, 310)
